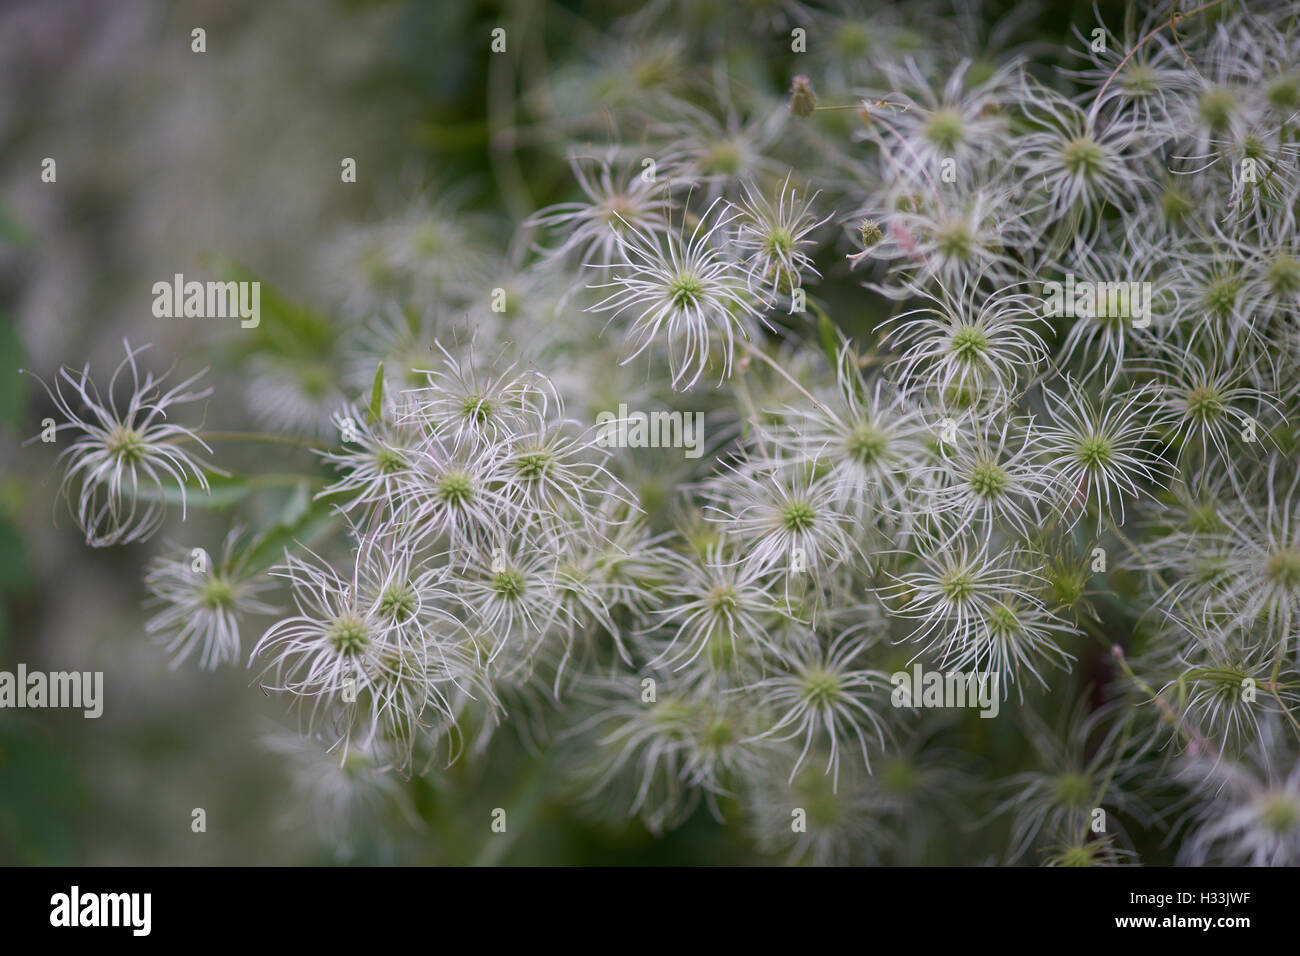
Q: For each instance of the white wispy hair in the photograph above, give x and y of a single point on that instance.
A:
(1247, 810)
(617, 196)
(683, 291)
(1102, 452)
(126, 458)
(822, 696)
(771, 236)
(200, 608)
(966, 344)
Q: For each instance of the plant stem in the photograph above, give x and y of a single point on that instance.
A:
(755, 350)
(1172, 22)
(258, 437)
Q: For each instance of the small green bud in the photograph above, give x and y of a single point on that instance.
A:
(802, 98)
(871, 232)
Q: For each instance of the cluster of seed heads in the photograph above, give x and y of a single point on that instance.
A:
(913, 460)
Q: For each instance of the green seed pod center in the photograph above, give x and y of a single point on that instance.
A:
(1283, 275)
(989, 480)
(1175, 204)
(476, 408)
(724, 598)
(957, 586)
(723, 157)
(969, 344)
(315, 380)
(1067, 586)
(798, 516)
(945, 130)
(1283, 94)
(533, 464)
(1082, 156)
(455, 488)
(217, 593)
(1283, 569)
(685, 290)
(1204, 404)
(389, 461)
(1139, 79)
(1094, 452)
(718, 735)
(1279, 813)
(1221, 296)
(778, 242)
(820, 688)
(1073, 790)
(866, 444)
(348, 634)
(1216, 109)
(509, 584)
(955, 240)
(900, 776)
(1004, 622)
(127, 445)
(398, 602)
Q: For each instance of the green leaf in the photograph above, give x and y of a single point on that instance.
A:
(298, 505)
(223, 491)
(41, 795)
(15, 565)
(377, 395)
(12, 385)
(827, 334)
(267, 548)
(285, 327)
(12, 231)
